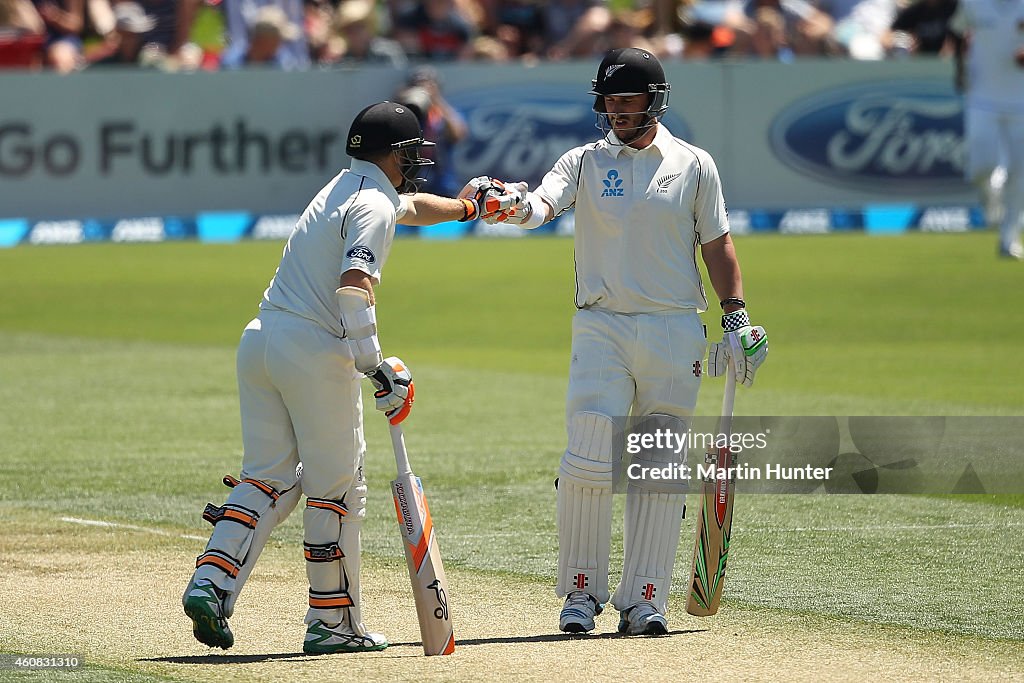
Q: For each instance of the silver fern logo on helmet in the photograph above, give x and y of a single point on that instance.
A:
(612, 69)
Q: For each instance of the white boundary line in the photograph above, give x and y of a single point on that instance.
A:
(881, 527)
(130, 527)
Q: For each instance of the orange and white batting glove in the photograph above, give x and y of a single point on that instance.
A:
(492, 199)
(395, 391)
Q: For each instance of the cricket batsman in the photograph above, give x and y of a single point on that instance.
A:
(300, 363)
(646, 203)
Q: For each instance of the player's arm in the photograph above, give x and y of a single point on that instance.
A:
(744, 344)
(391, 379)
(555, 194)
(719, 256)
(474, 202)
(428, 209)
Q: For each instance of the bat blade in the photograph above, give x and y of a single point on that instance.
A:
(423, 557)
(714, 521)
(714, 529)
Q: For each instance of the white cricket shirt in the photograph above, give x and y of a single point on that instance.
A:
(350, 224)
(640, 215)
(994, 80)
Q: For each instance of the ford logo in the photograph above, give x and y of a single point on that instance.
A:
(885, 137)
(518, 132)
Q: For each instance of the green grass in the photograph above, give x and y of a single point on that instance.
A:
(118, 402)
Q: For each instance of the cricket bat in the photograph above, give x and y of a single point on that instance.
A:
(714, 523)
(429, 584)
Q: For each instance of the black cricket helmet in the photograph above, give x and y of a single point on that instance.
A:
(390, 127)
(631, 71)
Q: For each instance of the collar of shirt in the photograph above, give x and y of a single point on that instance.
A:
(374, 173)
(661, 142)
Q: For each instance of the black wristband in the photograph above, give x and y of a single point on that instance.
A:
(734, 300)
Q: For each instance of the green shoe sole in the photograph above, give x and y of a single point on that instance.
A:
(206, 625)
(316, 649)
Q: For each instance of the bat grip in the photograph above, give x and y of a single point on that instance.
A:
(401, 455)
(728, 401)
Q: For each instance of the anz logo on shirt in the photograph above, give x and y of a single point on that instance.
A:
(613, 185)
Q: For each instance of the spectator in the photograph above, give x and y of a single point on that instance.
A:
(64, 23)
(440, 123)
(131, 23)
(266, 43)
(768, 40)
(862, 26)
(627, 29)
(435, 29)
(797, 27)
(317, 20)
(168, 41)
(926, 22)
(712, 28)
(354, 38)
(518, 25)
(22, 32)
(282, 16)
(580, 38)
(488, 49)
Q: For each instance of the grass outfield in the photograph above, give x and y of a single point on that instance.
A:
(118, 405)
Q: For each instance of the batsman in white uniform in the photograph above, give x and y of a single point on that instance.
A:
(994, 110)
(646, 203)
(299, 363)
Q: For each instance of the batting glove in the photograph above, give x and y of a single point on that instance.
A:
(747, 346)
(394, 389)
(492, 199)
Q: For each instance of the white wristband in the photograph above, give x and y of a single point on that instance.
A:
(538, 212)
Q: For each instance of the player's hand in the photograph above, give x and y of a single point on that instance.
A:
(394, 389)
(747, 345)
(492, 198)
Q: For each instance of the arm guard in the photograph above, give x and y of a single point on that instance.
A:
(359, 318)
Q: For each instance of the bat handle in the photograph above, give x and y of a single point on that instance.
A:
(728, 401)
(401, 455)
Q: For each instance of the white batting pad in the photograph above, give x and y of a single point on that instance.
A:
(334, 542)
(238, 543)
(585, 507)
(650, 543)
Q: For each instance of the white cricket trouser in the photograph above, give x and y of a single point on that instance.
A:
(649, 362)
(996, 139)
(300, 399)
(639, 365)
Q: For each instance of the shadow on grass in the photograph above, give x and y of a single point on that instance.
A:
(468, 642)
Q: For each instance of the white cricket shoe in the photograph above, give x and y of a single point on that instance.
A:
(1013, 251)
(328, 639)
(578, 612)
(642, 620)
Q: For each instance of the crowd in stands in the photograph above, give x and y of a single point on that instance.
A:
(70, 35)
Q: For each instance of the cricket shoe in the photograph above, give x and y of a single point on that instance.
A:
(642, 620)
(1014, 251)
(204, 605)
(328, 639)
(578, 612)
